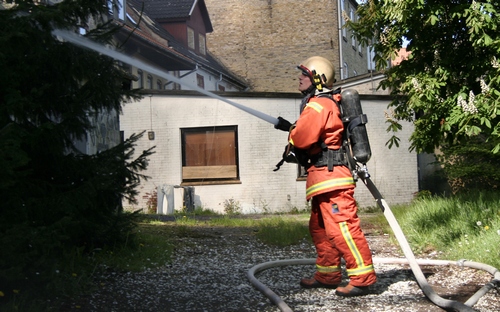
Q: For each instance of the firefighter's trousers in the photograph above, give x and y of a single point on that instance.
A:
(336, 233)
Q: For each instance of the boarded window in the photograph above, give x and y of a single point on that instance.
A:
(209, 154)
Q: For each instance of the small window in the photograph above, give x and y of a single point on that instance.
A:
(200, 81)
(150, 82)
(117, 9)
(353, 39)
(342, 11)
(201, 40)
(190, 38)
(140, 79)
(222, 88)
(158, 84)
(210, 154)
(345, 71)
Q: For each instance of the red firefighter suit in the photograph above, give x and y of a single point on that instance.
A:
(334, 224)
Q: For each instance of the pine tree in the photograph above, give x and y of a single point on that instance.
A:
(55, 198)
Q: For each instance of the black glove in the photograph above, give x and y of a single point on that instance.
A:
(283, 124)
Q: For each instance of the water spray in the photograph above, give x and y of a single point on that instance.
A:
(86, 43)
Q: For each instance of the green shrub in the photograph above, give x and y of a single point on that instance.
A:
(471, 165)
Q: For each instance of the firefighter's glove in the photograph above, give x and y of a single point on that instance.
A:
(283, 124)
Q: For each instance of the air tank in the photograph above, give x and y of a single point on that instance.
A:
(354, 122)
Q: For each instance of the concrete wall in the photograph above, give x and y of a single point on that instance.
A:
(260, 189)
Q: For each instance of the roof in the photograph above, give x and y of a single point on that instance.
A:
(150, 32)
(174, 10)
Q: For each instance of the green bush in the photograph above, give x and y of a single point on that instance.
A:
(471, 165)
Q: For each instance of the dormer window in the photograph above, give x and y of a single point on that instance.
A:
(190, 38)
(202, 44)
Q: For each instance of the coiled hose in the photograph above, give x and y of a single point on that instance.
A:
(410, 259)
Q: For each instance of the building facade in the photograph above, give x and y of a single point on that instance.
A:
(264, 41)
(222, 155)
(226, 156)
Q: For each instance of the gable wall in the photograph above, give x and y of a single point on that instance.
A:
(264, 41)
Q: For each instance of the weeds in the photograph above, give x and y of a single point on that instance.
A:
(152, 201)
(232, 207)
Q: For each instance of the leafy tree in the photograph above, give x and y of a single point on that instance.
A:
(449, 87)
(55, 199)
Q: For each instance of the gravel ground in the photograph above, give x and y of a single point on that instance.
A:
(209, 273)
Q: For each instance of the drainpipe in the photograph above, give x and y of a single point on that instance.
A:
(339, 8)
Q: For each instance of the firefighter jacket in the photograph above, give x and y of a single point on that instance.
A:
(320, 121)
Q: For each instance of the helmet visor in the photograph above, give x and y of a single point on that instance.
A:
(305, 71)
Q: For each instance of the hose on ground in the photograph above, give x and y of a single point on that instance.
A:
(410, 260)
(311, 261)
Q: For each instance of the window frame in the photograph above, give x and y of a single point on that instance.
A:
(149, 82)
(200, 81)
(190, 38)
(140, 78)
(202, 44)
(209, 174)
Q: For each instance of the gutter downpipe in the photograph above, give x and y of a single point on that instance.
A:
(341, 59)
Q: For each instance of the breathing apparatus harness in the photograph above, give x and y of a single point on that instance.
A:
(355, 146)
(327, 157)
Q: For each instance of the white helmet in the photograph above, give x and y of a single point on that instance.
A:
(320, 70)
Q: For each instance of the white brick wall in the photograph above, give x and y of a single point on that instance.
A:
(394, 171)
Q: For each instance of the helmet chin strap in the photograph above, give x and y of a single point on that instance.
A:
(311, 90)
(316, 83)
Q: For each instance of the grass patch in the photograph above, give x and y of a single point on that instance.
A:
(465, 226)
(75, 273)
(152, 248)
(461, 227)
(282, 232)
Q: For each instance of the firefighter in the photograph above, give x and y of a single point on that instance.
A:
(316, 141)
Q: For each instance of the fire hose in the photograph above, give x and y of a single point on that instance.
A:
(410, 259)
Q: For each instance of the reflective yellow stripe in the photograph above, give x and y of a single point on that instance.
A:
(329, 184)
(327, 269)
(317, 107)
(361, 268)
(351, 244)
